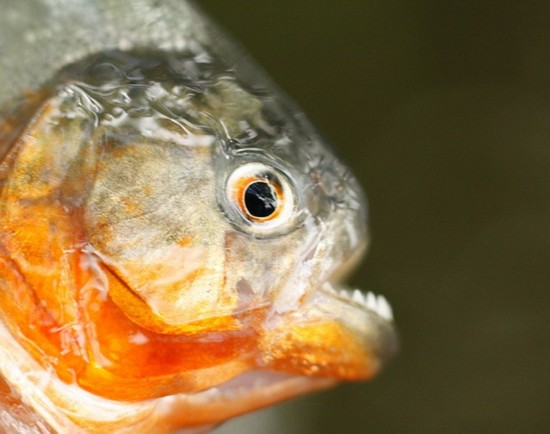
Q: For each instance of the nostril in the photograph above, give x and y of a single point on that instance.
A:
(328, 183)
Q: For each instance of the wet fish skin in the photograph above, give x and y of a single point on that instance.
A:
(135, 292)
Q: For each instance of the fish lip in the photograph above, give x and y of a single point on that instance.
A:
(260, 379)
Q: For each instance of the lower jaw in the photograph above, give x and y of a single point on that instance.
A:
(54, 406)
(245, 393)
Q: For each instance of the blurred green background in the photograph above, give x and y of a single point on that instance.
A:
(443, 111)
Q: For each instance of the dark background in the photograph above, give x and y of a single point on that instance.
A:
(442, 108)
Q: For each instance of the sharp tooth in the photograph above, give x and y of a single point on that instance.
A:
(328, 287)
(358, 297)
(384, 308)
(371, 301)
(375, 303)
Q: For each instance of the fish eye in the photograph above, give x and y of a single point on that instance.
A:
(261, 194)
(260, 200)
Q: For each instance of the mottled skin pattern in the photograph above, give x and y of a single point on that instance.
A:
(135, 293)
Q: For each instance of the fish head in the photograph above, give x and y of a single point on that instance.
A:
(212, 202)
(174, 240)
(220, 211)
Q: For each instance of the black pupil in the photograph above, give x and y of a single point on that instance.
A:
(260, 199)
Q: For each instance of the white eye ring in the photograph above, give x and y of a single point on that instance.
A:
(261, 195)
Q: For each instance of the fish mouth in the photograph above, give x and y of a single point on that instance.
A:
(336, 333)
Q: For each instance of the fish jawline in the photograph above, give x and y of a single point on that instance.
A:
(250, 391)
(67, 408)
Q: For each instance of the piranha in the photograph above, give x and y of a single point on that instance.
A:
(173, 232)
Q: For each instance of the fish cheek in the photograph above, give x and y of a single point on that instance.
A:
(258, 269)
(153, 220)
